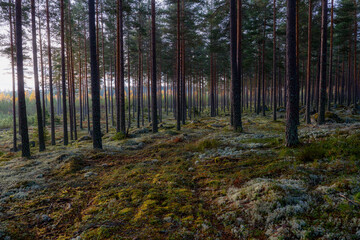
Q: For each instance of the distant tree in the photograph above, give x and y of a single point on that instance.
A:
(25, 147)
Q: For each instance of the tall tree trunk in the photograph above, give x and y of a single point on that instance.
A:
(236, 67)
(274, 63)
(129, 79)
(86, 84)
(263, 71)
(139, 96)
(20, 74)
(331, 57)
(80, 90)
(63, 76)
(104, 72)
(117, 75)
(36, 79)
(235, 94)
(355, 53)
(153, 78)
(42, 73)
(178, 96)
(308, 72)
(95, 81)
(121, 72)
(13, 77)
(292, 108)
(322, 94)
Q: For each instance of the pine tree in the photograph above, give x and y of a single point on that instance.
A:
(292, 107)
(154, 70)
(36, 78)
(25, 147)
(63, 74)
(95, 80)
(323, 54)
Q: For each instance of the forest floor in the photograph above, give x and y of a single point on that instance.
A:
(203, 182)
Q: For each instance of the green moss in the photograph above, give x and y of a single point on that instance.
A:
(119, 136)
(202, 145)
(311, 152)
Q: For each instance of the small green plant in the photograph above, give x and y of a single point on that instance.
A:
(119, 136)
(311, 153)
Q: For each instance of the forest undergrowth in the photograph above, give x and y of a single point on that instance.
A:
(203, 182)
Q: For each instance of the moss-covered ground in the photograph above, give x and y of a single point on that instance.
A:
(203, 182)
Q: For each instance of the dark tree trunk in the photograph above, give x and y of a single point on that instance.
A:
(36, 79)
(308, 72)
(274, 63)
(322, 94)
(153, 79)
(354, 92)
(63, 76)
(331, 57)
(95, 81)
(236, 61)
(139, 86)
(292, 108)
(263, 71)
(20, 74)
(178, 96)
(117, 62)
(129, 86)
(258, 97)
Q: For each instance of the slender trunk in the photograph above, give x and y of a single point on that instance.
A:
(20, 74)
(104, 72)
(121, 69)
(322, 94)
(331, 57)
(274, 64)
(139, 96)
(263, 71)
(36, 79)
(308, 72)
(178, 99)
(153, 79)
(13, 78)
(86, 85)
(63, 76)
(129, 86)
(355, 53)
(42, 75)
